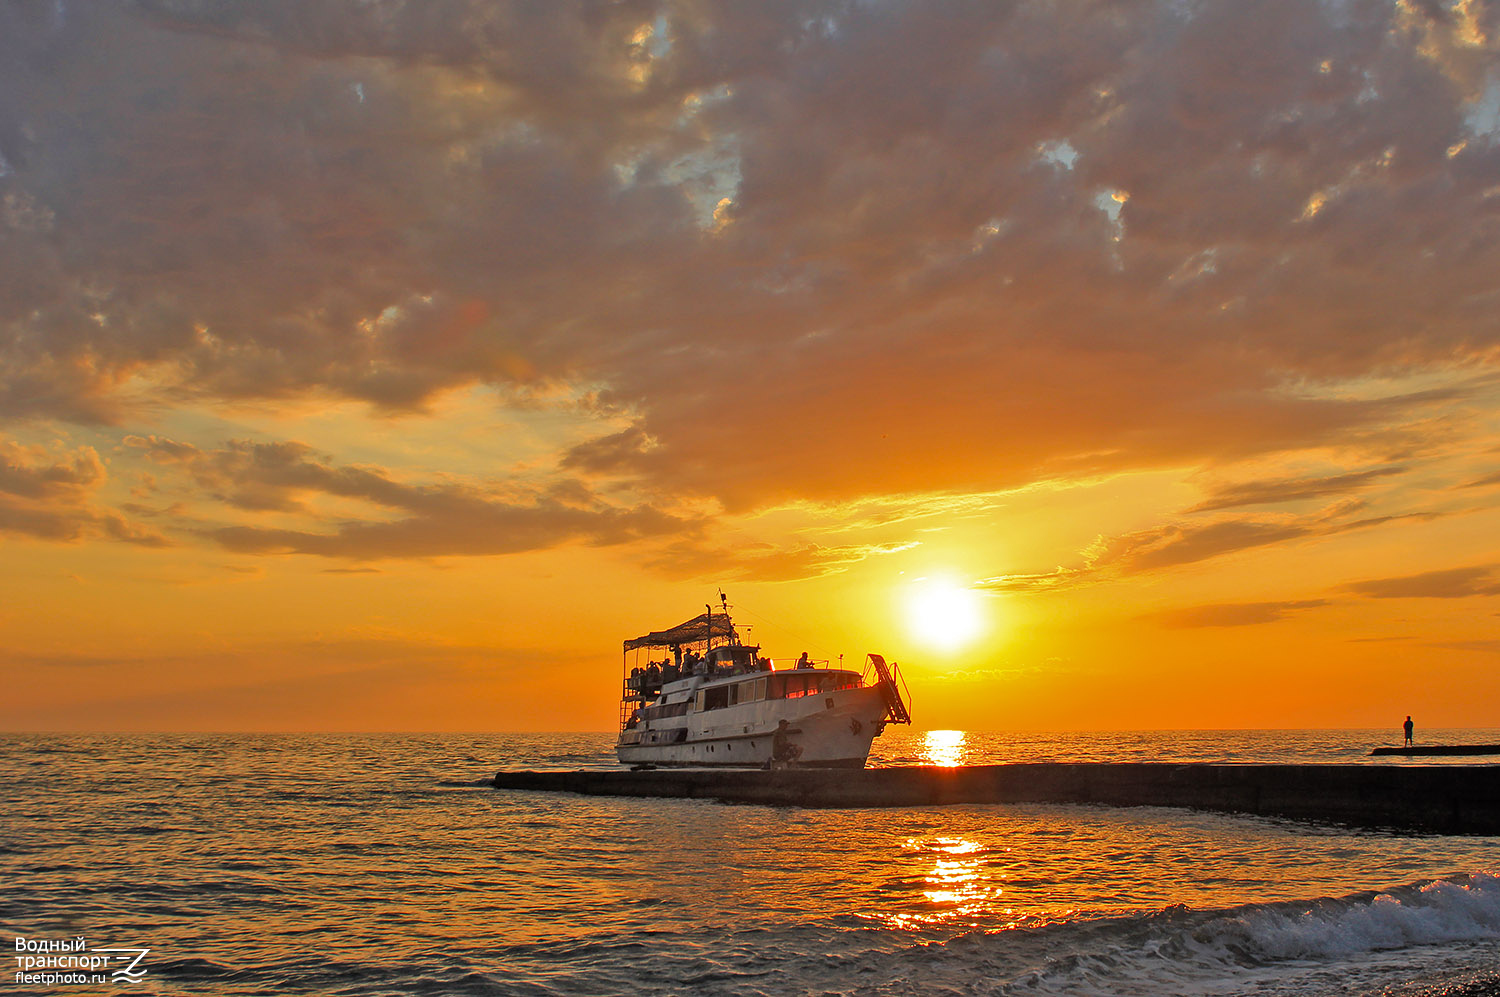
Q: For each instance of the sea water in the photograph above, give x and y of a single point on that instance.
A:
(384, 864)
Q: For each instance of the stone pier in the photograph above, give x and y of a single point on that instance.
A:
(1445, 799)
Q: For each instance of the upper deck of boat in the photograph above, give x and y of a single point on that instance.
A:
(732, 665)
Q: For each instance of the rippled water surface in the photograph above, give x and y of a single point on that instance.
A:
(382, 864)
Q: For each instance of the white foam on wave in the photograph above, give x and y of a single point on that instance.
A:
(1462, 909)
(1268, 948)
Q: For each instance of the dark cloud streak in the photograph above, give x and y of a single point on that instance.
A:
(1229, 496)
(436, 520)
(1185, 542)
(1239, 614)
(1451, 583)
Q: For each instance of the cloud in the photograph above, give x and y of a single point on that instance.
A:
(1173, 545)
(607, 454)
(270, 476)
(1237, 614)
(1010, 672)
(763, 562)
(47, 495)
(32, 473)
(477, 528)
(1177, 544)
(806, 251)
(1484, 482)
(1044, 581)
(1481, 646)
(1451, 583)
(1186, 542)
(1277, 490)
(432, 520)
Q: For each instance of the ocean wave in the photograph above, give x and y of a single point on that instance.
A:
(1459, 909)
(1186, 951)
(1360, 944)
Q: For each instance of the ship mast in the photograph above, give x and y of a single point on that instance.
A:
(724, 610)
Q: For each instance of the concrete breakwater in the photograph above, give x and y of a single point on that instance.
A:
(1443, 799)
(1442, 749)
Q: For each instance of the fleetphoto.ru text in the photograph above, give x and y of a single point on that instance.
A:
(52, 962)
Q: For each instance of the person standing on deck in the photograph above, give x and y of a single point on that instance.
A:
(1408, 727)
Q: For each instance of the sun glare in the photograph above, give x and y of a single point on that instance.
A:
(943, 748)
(943, 614)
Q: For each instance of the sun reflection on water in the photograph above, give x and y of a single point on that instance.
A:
(944, 748)
(956, 888)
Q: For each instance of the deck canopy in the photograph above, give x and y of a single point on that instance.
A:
(695, 631)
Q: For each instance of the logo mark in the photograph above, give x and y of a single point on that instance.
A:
(127, 973)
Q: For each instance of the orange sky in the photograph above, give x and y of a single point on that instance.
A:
(382, 367)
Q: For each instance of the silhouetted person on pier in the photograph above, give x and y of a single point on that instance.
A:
(1408, 727)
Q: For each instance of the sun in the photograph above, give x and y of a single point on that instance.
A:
(943, 614)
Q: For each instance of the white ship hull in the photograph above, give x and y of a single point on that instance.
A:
(834, 728)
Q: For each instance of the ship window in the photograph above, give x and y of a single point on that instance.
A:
(714, 699)
(793, 686)
(840, 680)
(749, 692)
(669, 710)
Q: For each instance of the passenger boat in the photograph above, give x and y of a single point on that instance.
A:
(695, 694)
